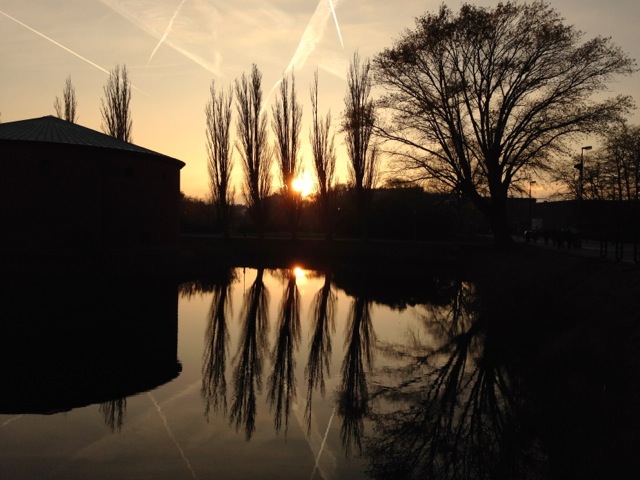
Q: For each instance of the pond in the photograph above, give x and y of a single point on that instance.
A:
(261, 373)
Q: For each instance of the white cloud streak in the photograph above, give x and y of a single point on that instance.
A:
(312, 34)
(167, 31)
(145, 15)
(311, 37)
(335, 19)
(54, 42)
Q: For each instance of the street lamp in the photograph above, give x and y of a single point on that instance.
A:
(580, 167)
(531, 182)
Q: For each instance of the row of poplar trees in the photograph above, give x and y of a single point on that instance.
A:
(257, 154)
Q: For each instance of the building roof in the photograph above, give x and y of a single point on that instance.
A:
(52, 129)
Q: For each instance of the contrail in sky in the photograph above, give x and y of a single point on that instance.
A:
(314, 33)
(311, 37)
(166, 32)
(335, 19)
(55, 43)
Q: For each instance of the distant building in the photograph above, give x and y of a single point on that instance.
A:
(67, 189)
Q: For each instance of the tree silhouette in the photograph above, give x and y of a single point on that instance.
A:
(220, 160)
(357, 124)
(253, 147)
(480, 100)
(115, 108)
(287, 118)
(324, 160)
(66, 108)
(622, 161)
(612, 172)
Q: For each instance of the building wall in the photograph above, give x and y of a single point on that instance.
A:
(55, 196)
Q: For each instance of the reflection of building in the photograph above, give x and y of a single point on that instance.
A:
(68, 345)
(66, 188)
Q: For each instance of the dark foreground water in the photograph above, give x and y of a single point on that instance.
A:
(285, 373)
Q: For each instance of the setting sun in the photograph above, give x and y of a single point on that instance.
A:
(303, 185)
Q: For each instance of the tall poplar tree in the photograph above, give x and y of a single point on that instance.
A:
(115, 106)
(253, 146)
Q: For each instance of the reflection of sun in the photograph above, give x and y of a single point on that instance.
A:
(301, 274)
(303, 185)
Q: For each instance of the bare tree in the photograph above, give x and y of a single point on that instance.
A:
(622, 161)
(253, 147)
(357, 124)
(220, 160)
(66, 108)
(116, 113)
(324, 159)
(287, 118)
(610, 173)
(477, 101)
(588, 184)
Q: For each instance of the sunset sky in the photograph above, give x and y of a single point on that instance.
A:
(173, 49)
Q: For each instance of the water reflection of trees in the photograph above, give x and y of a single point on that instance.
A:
(353, 397)
(458, 403)
(113, 413)
(214, 361)
(282, 381)
(247, 377)
(448, 407)
(322, 313)
(453, 318)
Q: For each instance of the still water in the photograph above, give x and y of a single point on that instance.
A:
(254, 373)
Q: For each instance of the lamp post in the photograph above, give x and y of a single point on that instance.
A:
(531, 182)
(580, 167)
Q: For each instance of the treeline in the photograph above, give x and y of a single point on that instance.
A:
(408, 213)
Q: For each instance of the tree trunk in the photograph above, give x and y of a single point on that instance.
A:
(495, 211)
(500, 221)
(501, 232)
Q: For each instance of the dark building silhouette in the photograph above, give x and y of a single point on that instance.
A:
(68, 190)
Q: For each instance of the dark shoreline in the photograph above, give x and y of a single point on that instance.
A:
(200, 252)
